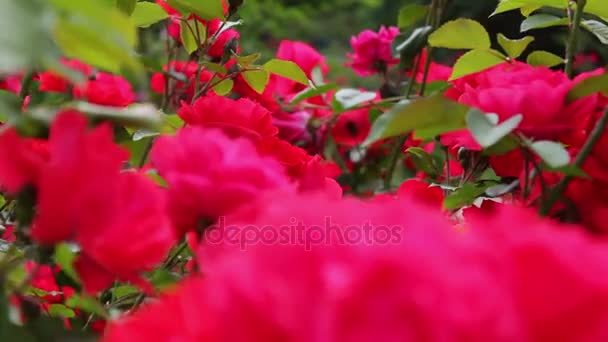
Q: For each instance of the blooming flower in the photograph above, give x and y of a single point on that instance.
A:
(108, 90)
(537, 93)
(105, 209)
(210, 175)
(52, 82)
(425, 285)
(372, 51)
(352, 127)
(236, 118)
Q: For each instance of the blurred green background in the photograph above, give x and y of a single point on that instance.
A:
(329, 24)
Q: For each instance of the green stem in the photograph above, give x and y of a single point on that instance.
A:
(572, 44)
(557, 191)
(394, 159)
(28, 79)
(434, 19)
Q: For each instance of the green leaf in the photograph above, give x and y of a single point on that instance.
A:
(409, 45)
(544, 58)
(465, 195)
(148, 13)
(475, 61)
(428, 117)
(206, 9)
(10, 105)
(514, 47)
(528, 9)
(599, 29)
(80, 41)
(589, 86)
(257, 79)
(61, 311)
(423, 161)
(123, 290)
(597, 7)
(64, 257)
(411, 14)
(88, 304)
(126, 6)
(191, 33)
(351, 98)
(508, 5)
(486, 132)
(220, 69)
(499, 190)
(461, 34)
(287, 69)
(224, 87)
(21, 35)
(172, 123)
(162, 279)
(542, 20)
(552, 153)
(312, 92)
(246, 61)
(115, 25)
(142, 115)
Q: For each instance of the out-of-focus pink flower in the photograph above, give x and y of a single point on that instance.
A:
(131, 225)
(418, 191)
(210, 175)
(85, 161)
(422, 283)
(21, 160)
(372, 51)
(236, 118)
(11, 83)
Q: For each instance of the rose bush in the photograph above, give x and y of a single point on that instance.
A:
(158, 183)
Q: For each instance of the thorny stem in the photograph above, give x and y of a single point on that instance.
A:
(573, 38)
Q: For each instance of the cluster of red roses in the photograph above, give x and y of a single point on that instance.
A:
(499, 273)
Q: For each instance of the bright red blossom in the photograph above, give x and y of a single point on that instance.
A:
(433, 283)
(352, 127)
(105, 209)
(52, 82)
(236, 118)
(537, 93)
(372, 51)
(108, 90)
(210, 175)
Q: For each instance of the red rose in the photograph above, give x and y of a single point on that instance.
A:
(107, 90)
(372, 51)
(52, 82)
(352, 127)
(210, 175)
(237, 118)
